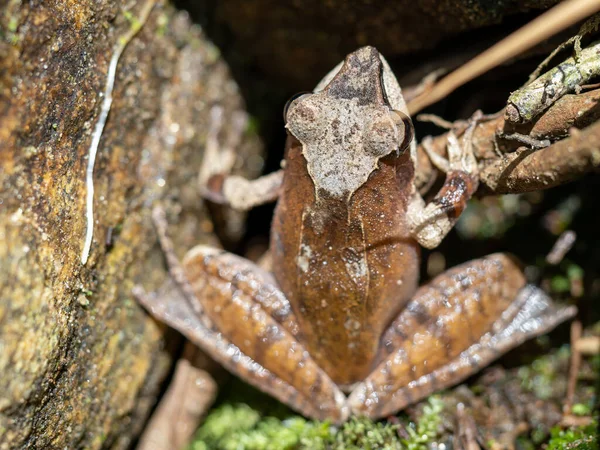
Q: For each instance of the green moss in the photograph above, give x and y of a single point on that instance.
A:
(524, 444)
(581, 409)
(362, 433)
(427, 428)
(539, 376)
(253, 125)
(560, 284)
(162, 24)
(263, 424)
(13, 24)
(580, 438)
(241, 427)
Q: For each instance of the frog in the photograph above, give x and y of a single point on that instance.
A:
(336, 324)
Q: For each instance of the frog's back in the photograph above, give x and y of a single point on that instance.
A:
(346, 267)
(341, 248)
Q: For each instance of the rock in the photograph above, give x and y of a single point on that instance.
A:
(80, 362)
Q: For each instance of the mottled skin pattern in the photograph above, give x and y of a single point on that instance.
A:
(341, 311)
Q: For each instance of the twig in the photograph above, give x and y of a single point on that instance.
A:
(525, 139)
(465, 433)
(436, 120)
(189, 395)
(570, 420)
(563, 244)
(551, 22)
(525, 170)
(588, 345)
(574, 366)
(122, 41)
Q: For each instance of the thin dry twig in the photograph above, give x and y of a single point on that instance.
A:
(436, 120)
(575, 364)
(181, 408)
(563, 244)
(465, 434)
(588, 345)
(551, 22)
(528, 170)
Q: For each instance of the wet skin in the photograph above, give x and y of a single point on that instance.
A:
(341, 311)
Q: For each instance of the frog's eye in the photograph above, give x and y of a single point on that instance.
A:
(292, 99)
(405, 127)
(303, 119)
(381, 137)
(385, 135)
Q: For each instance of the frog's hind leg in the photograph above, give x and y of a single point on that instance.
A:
(454, 326)
(234, 311)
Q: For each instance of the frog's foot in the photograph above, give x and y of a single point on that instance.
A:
(430, 223)
(234, 311)
(460, 155)
(455, 325)
(241, 325)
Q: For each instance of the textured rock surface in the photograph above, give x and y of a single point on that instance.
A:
(80, 362)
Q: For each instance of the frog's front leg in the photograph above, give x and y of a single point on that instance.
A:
(240, 193)
(430, 223)
(215, 180)
(235, 312)
(454, 326)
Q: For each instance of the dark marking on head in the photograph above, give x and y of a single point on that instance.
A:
(360, 78)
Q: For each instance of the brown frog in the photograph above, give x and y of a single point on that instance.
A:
(341, 311)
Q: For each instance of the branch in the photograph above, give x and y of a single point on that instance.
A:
(526, 170)
(507, 167)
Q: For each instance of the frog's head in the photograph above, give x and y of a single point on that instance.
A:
(355, 117)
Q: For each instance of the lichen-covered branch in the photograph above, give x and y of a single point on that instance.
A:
(526, 103)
